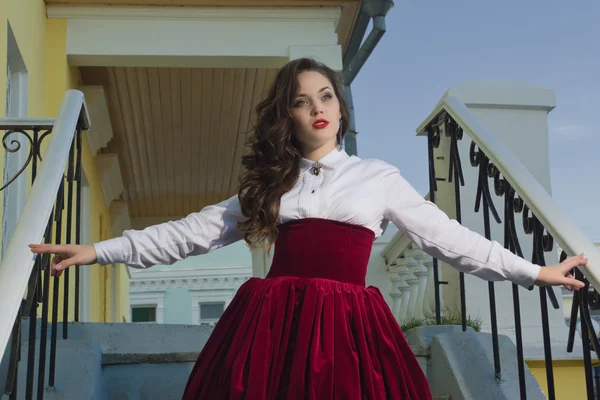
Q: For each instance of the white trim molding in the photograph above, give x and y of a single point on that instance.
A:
(184, 36)
(262, 14)
(119, 214)
(149, 299)
(209, 296)
(13, 201)
(209, 278)
(101, 132)
(110, 177)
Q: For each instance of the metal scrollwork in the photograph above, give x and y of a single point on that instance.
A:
(581, 305)
(515, 205)
(486, 169)
(40, 141)
(16, 147)
(455, 133)
(542, 242)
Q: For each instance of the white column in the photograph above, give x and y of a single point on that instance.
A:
(261, 261)
(413, 283)
(420, 271)
(429, 301)
(403, 288)
(395, 293)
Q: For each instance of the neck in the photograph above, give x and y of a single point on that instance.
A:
(318, 153)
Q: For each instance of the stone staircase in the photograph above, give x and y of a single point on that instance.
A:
(149, 361)
(121, 361)
(421, 352)
(459, 365)
(131, 361)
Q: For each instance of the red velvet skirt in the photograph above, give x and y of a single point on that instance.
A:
(311, 329)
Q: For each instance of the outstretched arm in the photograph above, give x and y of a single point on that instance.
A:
(198, 233)
(467, 251)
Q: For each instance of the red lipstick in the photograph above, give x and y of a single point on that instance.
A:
(320, 124)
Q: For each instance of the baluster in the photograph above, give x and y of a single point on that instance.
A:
(433, 142)
(68, 233)
(34, 287)
(483, 197)
(78, 178)
(403, 288)
(421, 272)
(429, 302)
(56, 282)
(45, 265)
(15, 357)
(413, 284)
(395, 293)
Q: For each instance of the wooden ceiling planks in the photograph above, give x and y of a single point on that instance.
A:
(179, 132)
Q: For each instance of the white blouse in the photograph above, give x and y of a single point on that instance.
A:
(348, 189)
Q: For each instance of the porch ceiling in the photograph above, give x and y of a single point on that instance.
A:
(179, 132)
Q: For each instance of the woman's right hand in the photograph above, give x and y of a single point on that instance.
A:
(66, 255)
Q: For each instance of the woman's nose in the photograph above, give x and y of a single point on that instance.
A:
(317, 110)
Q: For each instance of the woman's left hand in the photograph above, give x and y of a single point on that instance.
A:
(560, 274)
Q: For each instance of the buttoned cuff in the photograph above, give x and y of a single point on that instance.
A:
(113, 251)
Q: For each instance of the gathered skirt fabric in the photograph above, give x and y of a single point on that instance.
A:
(306, 338)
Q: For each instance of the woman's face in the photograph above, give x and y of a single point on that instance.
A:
(316, 112)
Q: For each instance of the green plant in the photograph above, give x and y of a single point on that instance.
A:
(448, 318)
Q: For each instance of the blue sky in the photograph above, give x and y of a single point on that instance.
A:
(433, 45)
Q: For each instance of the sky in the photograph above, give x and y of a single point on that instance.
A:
(433, 45)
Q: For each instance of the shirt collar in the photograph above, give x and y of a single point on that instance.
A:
(331, 160)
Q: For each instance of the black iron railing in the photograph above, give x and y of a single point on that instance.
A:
(38, 290)
(444, 126)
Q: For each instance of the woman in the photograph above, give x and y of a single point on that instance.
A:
(311, 329)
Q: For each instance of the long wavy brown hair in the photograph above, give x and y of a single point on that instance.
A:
(272, 165)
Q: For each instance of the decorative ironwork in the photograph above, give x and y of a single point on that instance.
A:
(483, 198)
(15, 149)
(15, 146)
(433, 139)
(542, 242)
(38, 292)
(455, 133)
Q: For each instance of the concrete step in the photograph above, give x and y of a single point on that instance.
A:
(145, 358)
(422, 355)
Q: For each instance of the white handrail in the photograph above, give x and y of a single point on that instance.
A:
(17, 264)
(539, 201)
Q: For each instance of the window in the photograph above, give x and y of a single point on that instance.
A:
(146, 300)
(211, 312)
(143, 314)
(208, 305)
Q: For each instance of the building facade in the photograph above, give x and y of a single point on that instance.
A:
(194, 291)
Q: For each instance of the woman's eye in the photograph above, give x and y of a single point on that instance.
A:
(327, 96)
(300, 102)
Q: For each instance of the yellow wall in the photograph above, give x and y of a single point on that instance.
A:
(27, 20)
(569, 378)
(123, 281)
(42, 43)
